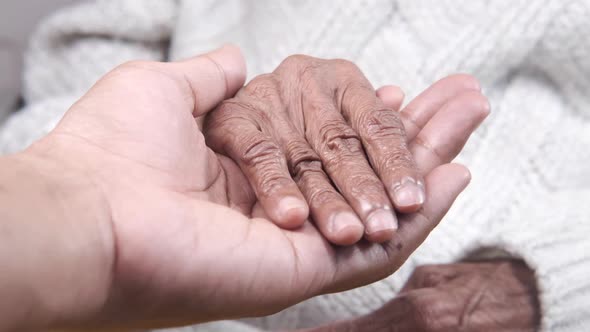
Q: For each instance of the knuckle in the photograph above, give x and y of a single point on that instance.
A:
(263, 156)
(240, 110)
(231, 116)
(315, 184)
(308, 170)
(221, 115)
(270, 181)
(352, 79)
(321, 195)
(357, 97)
(382, 124)
(235, 108)
(296, 61)
(338, 137)
(305, 69)
(358, 85)
(344, 64)
(299, 156)
(258, 150)
(397, 158)
(264, 87)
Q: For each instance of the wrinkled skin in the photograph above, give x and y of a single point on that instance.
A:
(492, 296)
(307, 125)
(181, 245)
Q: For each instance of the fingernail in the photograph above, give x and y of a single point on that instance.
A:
(345, 221)
(292, 209)
(381, 221)
(409, 193)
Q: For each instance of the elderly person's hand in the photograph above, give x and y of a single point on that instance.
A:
(304, 133)
(492, 296)
(135, 217)
(315, 130)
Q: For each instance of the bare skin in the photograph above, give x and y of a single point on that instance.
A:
(304, 132)
(128, 171)
(315, 130)
(491, 296)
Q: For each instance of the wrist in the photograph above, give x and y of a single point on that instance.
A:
(56, 248)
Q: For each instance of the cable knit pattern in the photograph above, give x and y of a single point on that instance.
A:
(531, 180)
(76, 46)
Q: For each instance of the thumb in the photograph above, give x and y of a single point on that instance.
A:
(213, 76)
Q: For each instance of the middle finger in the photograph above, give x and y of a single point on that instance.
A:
(344, 160)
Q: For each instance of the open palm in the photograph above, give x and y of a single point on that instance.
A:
(185, 246)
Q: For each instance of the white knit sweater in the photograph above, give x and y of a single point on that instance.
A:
(530, 192)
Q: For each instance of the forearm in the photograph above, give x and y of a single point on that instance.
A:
(48, 261)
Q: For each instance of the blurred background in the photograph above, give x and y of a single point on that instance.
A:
(18, 19)
(531, 57)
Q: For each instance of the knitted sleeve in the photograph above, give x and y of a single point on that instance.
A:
(73, 48)
(549, 222)
(557, 250)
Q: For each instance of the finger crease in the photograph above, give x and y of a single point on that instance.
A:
(404, 114)
(221, 73)
(421, 141)
(194, 94)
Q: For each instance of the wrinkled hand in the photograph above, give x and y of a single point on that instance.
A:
(304, 132)
(493, 296)
(173, 249)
